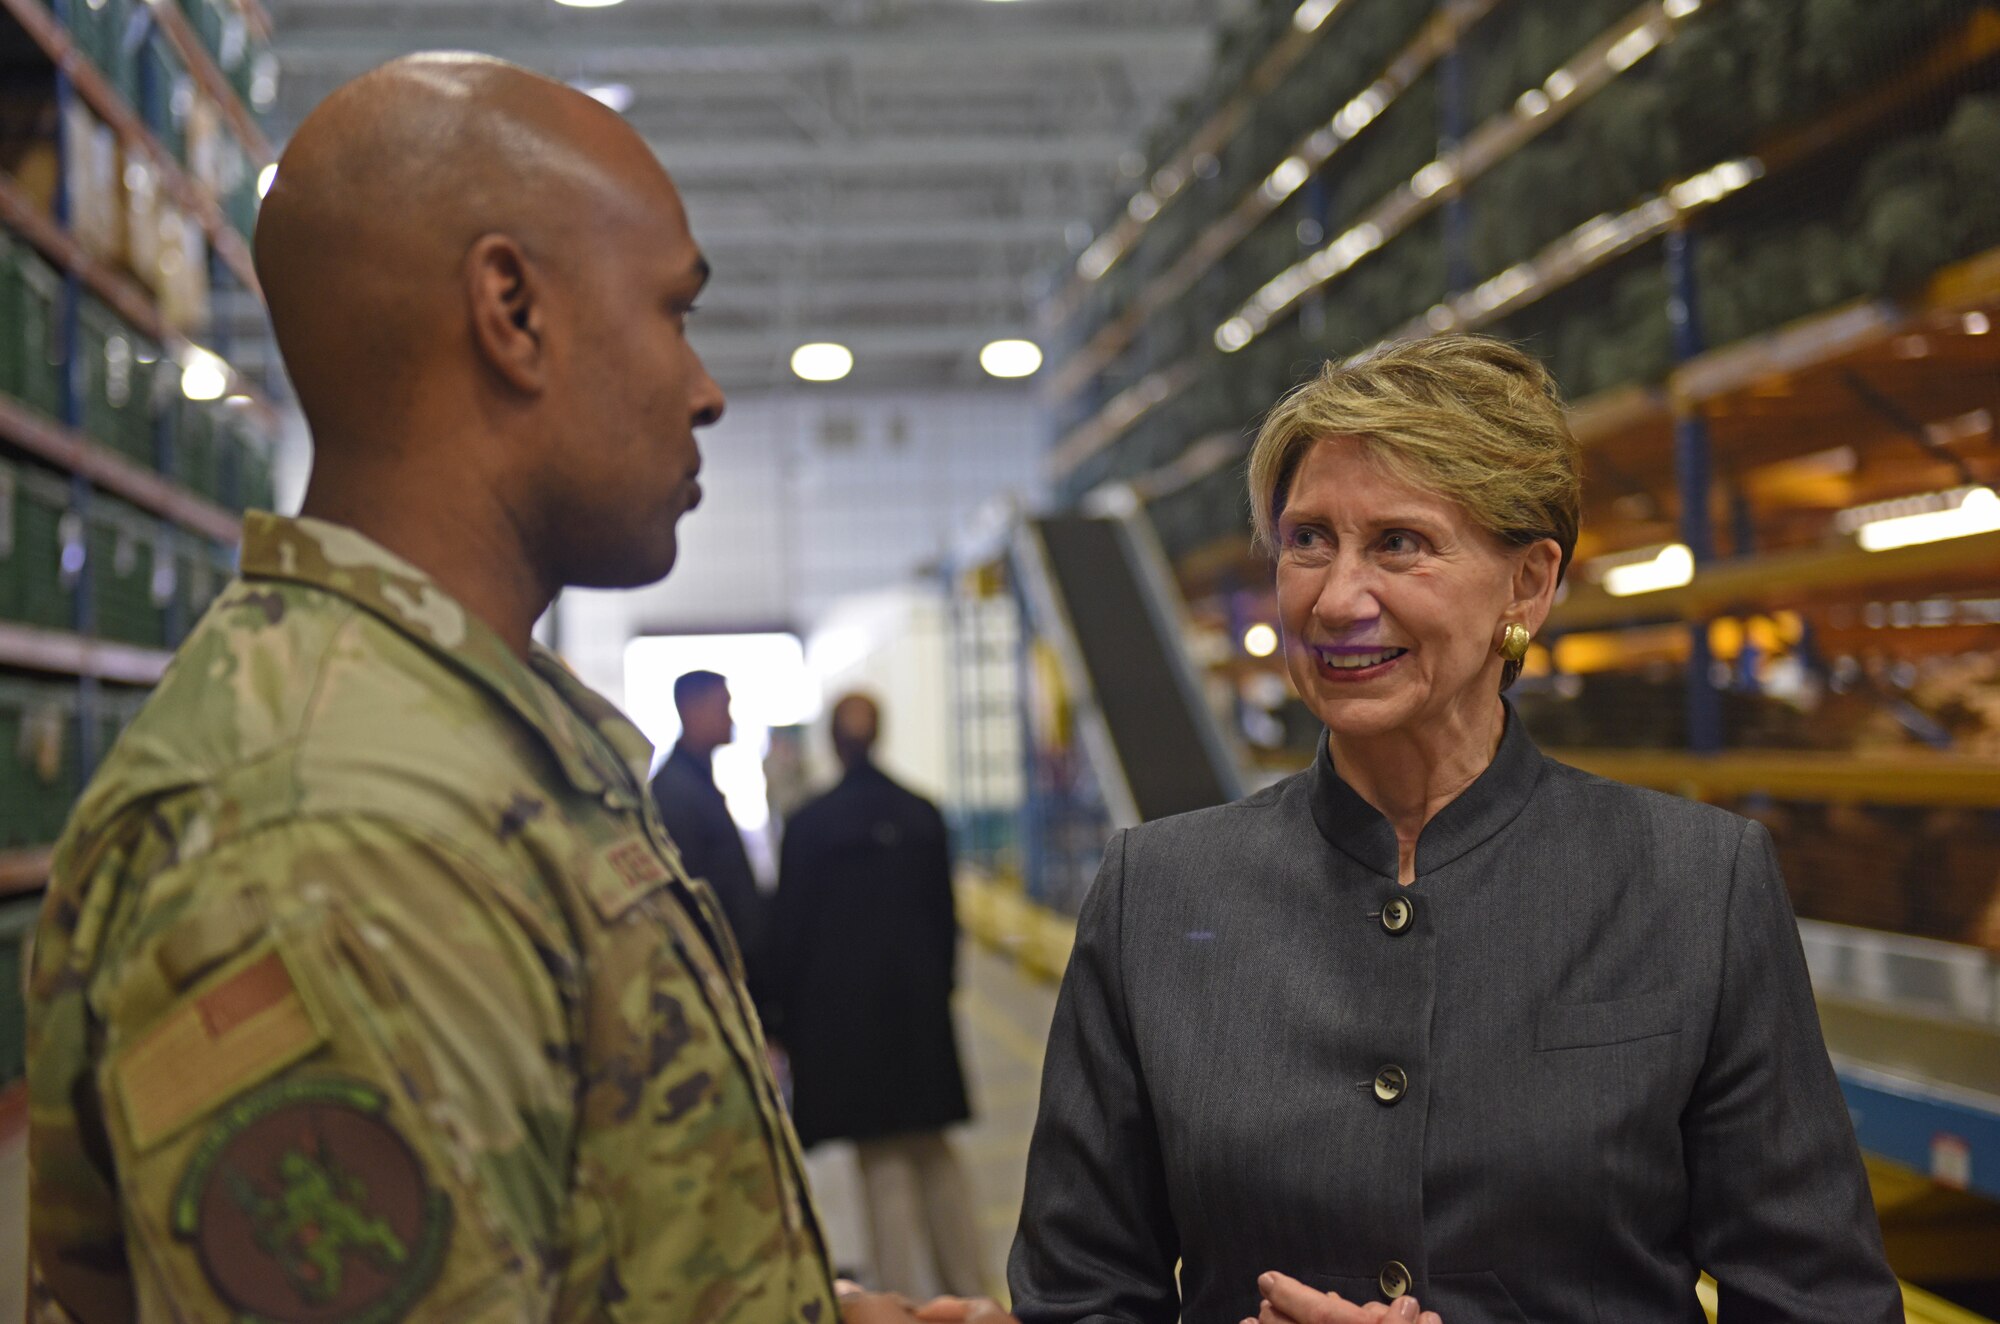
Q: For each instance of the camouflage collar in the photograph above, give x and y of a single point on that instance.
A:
(338, 560)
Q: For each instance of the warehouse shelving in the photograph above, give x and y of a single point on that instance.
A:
(35, 649)
(1590, 247)
(1881, 779)
(75, 453)
(139, 478)
(104, 100)
(24, 870)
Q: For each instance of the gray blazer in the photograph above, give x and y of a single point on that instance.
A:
(1574, 1063)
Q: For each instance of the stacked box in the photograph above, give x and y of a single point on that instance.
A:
(34, 521)
(117, 370)
(197, 449)
(39, 768)
(203, 570)
(98, 28)
(131, 597)
(30, 333)
(166, 93)
(251, 457)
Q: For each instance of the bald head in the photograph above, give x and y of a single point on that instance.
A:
(385, 187)
(856, 724)
(480, 279)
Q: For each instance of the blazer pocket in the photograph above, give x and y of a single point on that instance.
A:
(1588, 1024)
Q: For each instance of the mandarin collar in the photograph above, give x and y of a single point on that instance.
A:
(1493, 800)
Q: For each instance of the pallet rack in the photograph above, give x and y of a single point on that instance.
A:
(194, 523)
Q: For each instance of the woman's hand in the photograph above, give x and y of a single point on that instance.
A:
(1289, 1301)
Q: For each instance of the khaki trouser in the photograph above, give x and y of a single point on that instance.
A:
(920, 1216)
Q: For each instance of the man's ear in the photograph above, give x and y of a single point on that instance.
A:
(505, 299)
(1535, 579)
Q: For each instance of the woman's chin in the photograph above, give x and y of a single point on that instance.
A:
(1361, 716)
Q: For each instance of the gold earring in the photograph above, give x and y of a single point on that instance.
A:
(1514, 642)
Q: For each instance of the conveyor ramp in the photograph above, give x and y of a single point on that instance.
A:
(1098, 587)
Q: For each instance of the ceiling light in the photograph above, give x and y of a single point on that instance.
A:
(618, 96)
(1560, 84)
(1976, 324)
(1531, 103)
(1260, 640)
(1670, 567)
(1285, 180)
(265, 178)
(1682, 8)
(1633, 47)
(590, 4)
(1143, 207)
(1233, 335)
(822, 361)
(203, 376)
(1956, 514)
(1011, 358)
(1309, 16)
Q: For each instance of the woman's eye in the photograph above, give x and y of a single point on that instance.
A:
(1303, 537)
(1399, 544)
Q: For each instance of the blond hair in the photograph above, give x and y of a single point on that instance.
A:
(1469, 418)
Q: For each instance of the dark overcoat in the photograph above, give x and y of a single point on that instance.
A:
(864, 957)
(1572, 1065)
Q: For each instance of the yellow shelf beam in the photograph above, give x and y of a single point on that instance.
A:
(1786, 579)
(1883, 779)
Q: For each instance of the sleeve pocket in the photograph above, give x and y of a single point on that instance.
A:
(1586, 1024)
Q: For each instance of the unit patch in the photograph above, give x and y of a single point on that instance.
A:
(305, 1206)
(629, 871)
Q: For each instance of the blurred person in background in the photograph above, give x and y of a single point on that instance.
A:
(368, 986)
(1438, 1018)
(866, 952)
(697, 816)
(788, 782)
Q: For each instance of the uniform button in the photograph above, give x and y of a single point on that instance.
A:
(1394, 1280)
(1398, 914)
(1390, 1083)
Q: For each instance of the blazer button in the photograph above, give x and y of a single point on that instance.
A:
(1394, 1280)
(1391, 1082)
(1398, 913)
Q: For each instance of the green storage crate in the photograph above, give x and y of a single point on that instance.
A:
(201, 572)
(131, 578)
(98, 26)
(118, 370)
(39, 768)
(250, 453)
(34, 523)
(166, 94)
(197, 448)
(17, 927)
(30, 348)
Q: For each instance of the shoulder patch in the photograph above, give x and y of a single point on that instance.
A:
(244, 1026)
(624, 873)
(304, 1205)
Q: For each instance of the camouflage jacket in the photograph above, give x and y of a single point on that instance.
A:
(369, 987)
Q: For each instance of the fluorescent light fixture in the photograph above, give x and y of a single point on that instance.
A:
(1286, 178)
(1670, 567)
(1309, 16)
(1432, 178)
(822, 361)
(618, 96)
(590, 4)
(1682, 8)
(265, 178)
(203, 375)
(1260, 640)
(1633, 47)
(1143, 207)
(1956, 514)
(1560, 84)
(1233, 335)
(1531, 103)
(238, 399)
(1976, 324)
(1099, 257)
(1011, 358)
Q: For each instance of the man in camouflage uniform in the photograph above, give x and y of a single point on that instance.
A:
(369, 986)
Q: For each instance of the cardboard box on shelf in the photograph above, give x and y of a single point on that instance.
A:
(93, 175)
(183, 270)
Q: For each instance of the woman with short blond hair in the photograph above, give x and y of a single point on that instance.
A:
(1438, 1019)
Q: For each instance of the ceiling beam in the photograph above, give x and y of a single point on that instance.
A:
(722, 235)
(615, 49)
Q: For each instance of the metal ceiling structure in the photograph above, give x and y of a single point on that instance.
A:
(902, 176)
